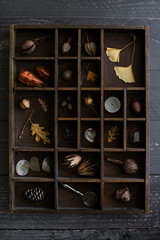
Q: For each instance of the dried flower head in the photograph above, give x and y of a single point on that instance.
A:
(86, 168)
(123, 194)
(72, 160)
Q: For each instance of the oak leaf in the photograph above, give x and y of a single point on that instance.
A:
(43, 104)
(91, 76)
(113, 133)
(40, 134)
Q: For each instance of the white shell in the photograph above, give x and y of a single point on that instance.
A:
(47, 165)
(112, 104)
(91, 48)
(22, 167)
(90, 134)
(66, 47)
(34, 164)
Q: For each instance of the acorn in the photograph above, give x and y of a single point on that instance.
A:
(136, 107)
(24, 104)
(67, 75)
(130, 166)
(123, 194)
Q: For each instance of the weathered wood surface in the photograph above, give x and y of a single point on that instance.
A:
(98, 12)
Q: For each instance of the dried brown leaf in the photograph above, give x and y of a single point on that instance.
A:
(40, 134)
(43, 104)
(113, 133)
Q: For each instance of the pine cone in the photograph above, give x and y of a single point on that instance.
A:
(130, 166)
(35, 194)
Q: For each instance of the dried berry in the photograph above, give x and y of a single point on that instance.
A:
(29, 79)
(136, 107)
(43, 72)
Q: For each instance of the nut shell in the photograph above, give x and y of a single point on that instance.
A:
(24, 104)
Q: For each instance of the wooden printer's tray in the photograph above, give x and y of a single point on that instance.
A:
(108, 177)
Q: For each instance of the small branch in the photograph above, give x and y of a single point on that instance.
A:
(133, 50)
(41, 39)
(87, 36)
(28, 120)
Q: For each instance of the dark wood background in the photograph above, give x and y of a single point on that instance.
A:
(95, 227)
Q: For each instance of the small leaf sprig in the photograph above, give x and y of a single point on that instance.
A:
(113, 133)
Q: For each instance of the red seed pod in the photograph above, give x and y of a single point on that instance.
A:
(29, 79)
(43, 72)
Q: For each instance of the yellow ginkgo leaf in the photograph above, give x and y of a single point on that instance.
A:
(113, 54)
(125, 73)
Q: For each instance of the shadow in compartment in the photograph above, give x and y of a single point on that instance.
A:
(67, 134)
(45, 47)
(40, 164)
(136, 200)
(90, 104)
(42, 115)
(70, 199)
(86, 164)
(31, 66)
(90, 36)
(115, 170)
(47, 190)
(67, 42)
(90, 74)
(136, 136)
(117, 39)
(113, 134)
(113, 104)
(67, 73)
(67, 104)
(90, 134)
(136, 104)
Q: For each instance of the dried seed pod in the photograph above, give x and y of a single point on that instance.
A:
(90, 47)
(88, 100)
(69, 98)
(72, 160)
(29, 79)
(136, 107)
(70, 107)
(67, 75)
(86, 168)
(34, 164)
(123, 194)
(130, 166)
(35, 194)
(43, 72)
(67, 134)
(67, 45)
(28, 46)
(64, 103)
(24, 104)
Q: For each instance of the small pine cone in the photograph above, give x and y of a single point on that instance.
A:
(130, 166)
(35, 194)
(123, 194)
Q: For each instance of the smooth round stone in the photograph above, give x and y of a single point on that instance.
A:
(112, 104)
(22, 167)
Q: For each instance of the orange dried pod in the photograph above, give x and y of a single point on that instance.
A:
(29, 79)
(43, 72)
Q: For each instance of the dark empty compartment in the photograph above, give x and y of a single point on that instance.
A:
(67, 65)
(31, 67)
(133, 96)
(93, 36)
(118, 39)
(44, 119)
(137, 195)
(21, 201)
(93, 110)
(87, 68)
(119, 95)
(64, 171)
(109, 141)
(44, 49)
(140, 126)
(69, 97)
(69, 199)
(41, 156)
(94, 125)
(63, 36)
(72, 127)
(116, 171)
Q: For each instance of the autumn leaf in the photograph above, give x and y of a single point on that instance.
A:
(113, 133)
(125, 74)
(43, 104)
(91, 76)
(40, 134)
(113, 54)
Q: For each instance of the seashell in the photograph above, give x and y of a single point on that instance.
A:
(34, 164)
(47, 165)
(90, 134)
(91, 48)
(22, 167)
(66, 47)
(134, 136)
